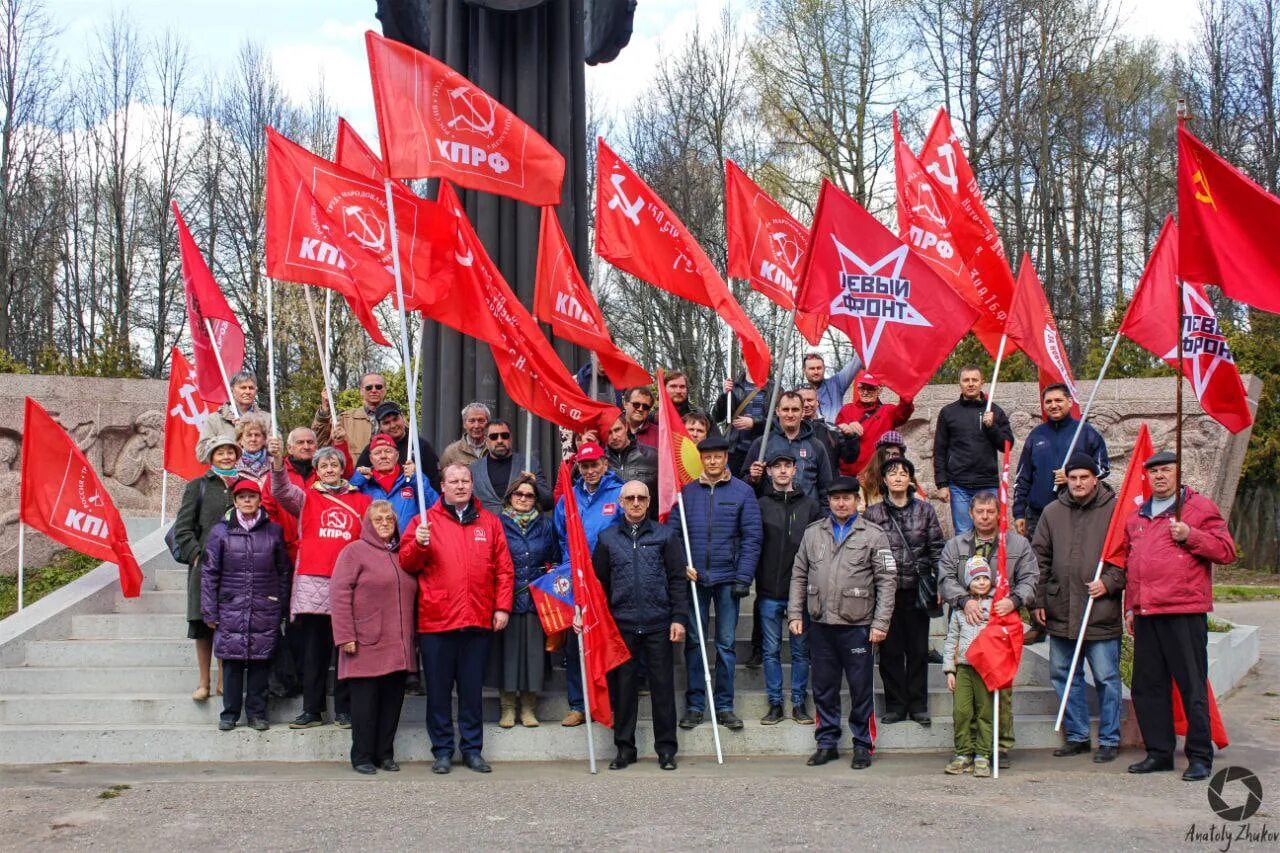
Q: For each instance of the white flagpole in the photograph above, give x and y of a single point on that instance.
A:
(528, 440)
(164, 493)
(1084, 415)
(1075, 656)
(411, 387)
(995, 734)
(597, 279)
(586, 693)
(702, 640)
(417, 356)
(995, 373)
(324, 362)
(222, 368)
(271, 357)
(777, 386)
(22, 562)
(328, 325)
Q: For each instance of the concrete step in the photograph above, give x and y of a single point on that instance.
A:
(152, 601)
(140, 743)
(128, 626)
(169, 580)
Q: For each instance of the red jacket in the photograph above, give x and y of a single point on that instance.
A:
(876, 421)
(1175, 577)
(464, 574)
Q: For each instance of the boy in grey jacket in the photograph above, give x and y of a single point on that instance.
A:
(971, 704)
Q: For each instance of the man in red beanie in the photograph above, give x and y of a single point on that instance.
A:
(867, 418)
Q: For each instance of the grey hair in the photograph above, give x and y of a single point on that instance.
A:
(244, 375)
(476, 404)
(297, 431)
(325, 452)
(253, 419)
(364, 376)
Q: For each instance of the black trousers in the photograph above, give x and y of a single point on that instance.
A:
(757, 635)
(655, 653)
(904, 657)
(1167, 650)
(455, 659)
(244, 685)
(315, 640)
(375, 715)
(836, 653)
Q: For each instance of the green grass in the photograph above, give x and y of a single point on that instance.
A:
(66, 567)
(1235, 592)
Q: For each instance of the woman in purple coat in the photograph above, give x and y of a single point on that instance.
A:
(243, 590)
(371, 603)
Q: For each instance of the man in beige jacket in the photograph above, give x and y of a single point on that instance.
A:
(359, 423)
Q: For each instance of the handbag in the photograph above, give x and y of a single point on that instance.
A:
(171, 536)
(927, 582)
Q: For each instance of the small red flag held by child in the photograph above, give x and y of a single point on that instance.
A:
(996, 653)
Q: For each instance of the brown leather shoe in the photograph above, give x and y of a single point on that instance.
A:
(573, 718)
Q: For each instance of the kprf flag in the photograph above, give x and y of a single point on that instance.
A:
(602, 645)
(902, 319)
(62, 497)
(1151, 320)
(350, 151)
(481, 304)
(1228, 226)
(925, 213)
(205, 302)
(996, 653)
(552, 595)
(185, 414)
(639, 234)
(679, 462)
(562, 299)
(1134, 492)
(766, 243)
(975, 235)
(1032, 327)
(435, 123)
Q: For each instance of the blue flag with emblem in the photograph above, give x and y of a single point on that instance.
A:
(553, 599)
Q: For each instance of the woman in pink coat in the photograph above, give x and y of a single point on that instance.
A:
(371, 604)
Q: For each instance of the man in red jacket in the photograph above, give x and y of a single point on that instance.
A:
(465, 585)
(1167, 594)
(868, 419)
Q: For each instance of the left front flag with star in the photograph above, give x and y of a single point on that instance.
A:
(901, 317)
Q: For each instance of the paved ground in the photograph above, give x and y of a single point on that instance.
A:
(903, 801)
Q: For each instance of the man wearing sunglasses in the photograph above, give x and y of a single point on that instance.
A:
(360, 424)
(638, 406)
(499, 468)
(868, 418)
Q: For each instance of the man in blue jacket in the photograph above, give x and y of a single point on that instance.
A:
(722, 520)
(387, 480)
(831, 389)
(598, 491)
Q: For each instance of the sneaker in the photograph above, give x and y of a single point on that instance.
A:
(934, 656)
(755, 661)
(259, 725)
(773, 717)
(730, 720)
(981, 767)
(691, 720)
(959, 764)
(342, 721)
(861, 758)
(801, 715)
(306, 721)
(573, 718)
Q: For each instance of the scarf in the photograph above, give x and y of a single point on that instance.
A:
(336, 489)
(228, 475)
(302, 467)
(386, 481)
(524, 519)
(248, 521)
(254, 463)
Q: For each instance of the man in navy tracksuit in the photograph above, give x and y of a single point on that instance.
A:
(723, 522)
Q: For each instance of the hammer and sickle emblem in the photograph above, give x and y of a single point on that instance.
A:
(365, 229)
(619, 201)
(1201, 184)
(190, 413)
(947, 153)
(479, 115)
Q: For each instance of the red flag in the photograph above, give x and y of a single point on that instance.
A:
(205, 302)
(184, 416)
(1228, 227)
(1032, 327)
(1135, 491)
(1207, 360)
(996, 653)
(62, 497)
(602, 646)
(638, 234)
(1217, 728)
(435, 123)
(562, 299)
(975, 235)
(353, 153)
(924, 220)
(766, 243)
(481, 304)
(679, 463)
(902, 318)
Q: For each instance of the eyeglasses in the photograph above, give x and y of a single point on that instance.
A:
(373, 387)
(494, 436)
(529, 495)
(635, 499)
(644, 407)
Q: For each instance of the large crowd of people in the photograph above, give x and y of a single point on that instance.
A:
(317, 546)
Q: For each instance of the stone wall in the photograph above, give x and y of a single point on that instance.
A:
(119, 424)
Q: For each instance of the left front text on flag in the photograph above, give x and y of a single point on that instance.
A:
(63, 498)
(206, 302)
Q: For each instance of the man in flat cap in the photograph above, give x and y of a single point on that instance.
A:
(1172, 542)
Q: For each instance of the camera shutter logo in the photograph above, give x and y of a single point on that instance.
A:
(1233, 808)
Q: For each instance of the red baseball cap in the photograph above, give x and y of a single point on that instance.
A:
(589, 452)
(866, 377)
(381, 440)
(245, 484)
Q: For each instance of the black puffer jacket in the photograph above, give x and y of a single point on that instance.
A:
(915, 536)
(964, 451)
(784, 516)
(636, 462)
(641, 568)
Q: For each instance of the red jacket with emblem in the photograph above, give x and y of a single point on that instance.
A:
(327, 521)
(464, 574)
(876, 421)
(1175, 577)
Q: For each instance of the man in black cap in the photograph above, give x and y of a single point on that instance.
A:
(1171, 551)
(786, 513)
(844, 579)
(391, 421)
(1068, 547)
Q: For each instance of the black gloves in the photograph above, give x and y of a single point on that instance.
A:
(740, 590)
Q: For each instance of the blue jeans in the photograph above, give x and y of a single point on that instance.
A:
(573, 673)
(773, 622)
(1104, 662)
(695, 695)
(960, 499)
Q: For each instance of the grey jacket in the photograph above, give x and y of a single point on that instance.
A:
(1024, 572)
(852, 583)
(955, 648)
(491, 499)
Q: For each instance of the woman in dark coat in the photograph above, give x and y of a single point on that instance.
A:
(371, 605)
(916, 539)
(204, 503)
(517, 658)
(244, 587)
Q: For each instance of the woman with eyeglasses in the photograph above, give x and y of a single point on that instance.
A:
(517, 657)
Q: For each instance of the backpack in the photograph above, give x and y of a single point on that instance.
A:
(170, 537)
